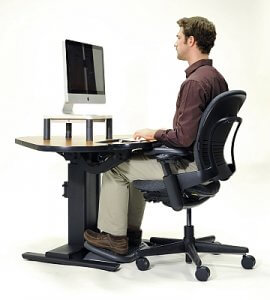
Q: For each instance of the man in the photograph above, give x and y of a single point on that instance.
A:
(121, 205)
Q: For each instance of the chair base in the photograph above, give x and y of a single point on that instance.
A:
(191, 246)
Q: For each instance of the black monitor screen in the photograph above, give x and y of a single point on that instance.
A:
(85, 68)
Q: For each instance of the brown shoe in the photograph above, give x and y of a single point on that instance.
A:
(117, 244)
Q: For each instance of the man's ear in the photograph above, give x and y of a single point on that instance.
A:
(191, 41)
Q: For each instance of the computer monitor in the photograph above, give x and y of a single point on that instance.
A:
(84, 74)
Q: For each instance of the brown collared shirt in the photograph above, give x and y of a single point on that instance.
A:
(203, 83)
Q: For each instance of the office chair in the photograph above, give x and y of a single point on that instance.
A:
(187, 190)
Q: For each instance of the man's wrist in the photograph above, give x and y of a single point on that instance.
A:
(158, 134)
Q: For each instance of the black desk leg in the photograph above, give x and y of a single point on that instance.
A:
(82, 190)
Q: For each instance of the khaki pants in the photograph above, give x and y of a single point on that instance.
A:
(121, 205)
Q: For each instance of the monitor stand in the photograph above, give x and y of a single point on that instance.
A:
(68, 108)
(69, 119)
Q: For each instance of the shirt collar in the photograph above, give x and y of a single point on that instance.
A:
(198, 64)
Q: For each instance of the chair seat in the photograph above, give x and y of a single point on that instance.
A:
(155, 191)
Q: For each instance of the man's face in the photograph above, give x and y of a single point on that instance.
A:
(181, 45)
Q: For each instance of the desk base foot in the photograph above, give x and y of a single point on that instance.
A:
(74, 261)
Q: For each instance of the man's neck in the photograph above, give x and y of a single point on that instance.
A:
(195, 57)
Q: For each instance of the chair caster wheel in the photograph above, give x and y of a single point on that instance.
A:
(202, 273)
(142, 263)
(248, 261)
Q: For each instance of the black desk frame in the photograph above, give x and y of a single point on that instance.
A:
(82, 191)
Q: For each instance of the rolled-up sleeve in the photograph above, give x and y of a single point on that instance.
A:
(189, 108)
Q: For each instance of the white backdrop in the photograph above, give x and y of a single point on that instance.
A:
(142, 77)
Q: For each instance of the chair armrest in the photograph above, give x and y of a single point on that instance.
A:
(165, 153)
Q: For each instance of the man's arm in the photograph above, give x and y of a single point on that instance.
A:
(190, 105)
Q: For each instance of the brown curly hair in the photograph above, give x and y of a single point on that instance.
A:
(203, 30)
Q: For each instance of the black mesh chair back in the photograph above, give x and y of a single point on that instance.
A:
(215, 125)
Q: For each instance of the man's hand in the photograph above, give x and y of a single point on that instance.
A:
(145, 133)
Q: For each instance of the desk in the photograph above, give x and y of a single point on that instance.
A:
(87, 159)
